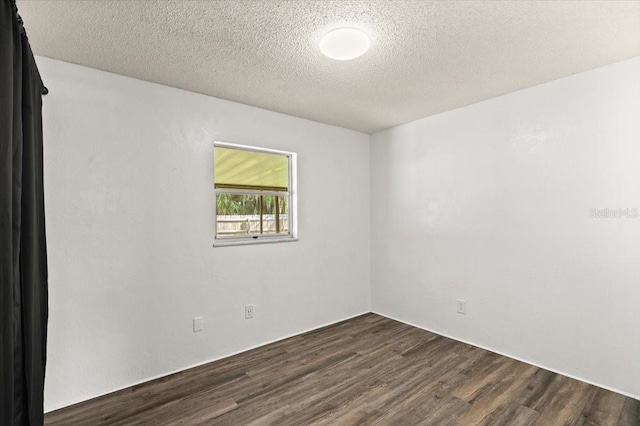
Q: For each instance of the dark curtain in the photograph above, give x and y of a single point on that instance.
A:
(23, 256)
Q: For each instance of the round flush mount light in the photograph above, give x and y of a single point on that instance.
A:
(344, 44)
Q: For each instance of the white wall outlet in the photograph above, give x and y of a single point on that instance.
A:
(198, 324)
(461, 306)
(248, 311)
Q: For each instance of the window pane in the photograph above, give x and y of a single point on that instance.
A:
(275, 218)
(284, 214)
(250, 214)
(242, 169)
(237, 214)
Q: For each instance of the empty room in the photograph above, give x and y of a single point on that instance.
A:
(303, 212)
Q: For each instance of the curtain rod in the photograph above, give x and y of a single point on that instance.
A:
(23, 32)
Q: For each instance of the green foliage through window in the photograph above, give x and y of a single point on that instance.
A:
(241, 204)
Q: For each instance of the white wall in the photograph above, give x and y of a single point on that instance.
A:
(129, 197)
(490, 203)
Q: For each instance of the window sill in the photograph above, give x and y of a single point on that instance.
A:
(253, 241)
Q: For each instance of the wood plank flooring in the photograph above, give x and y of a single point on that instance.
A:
(369, 370)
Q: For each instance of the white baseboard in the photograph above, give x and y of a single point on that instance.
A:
(148, 379)
(158, 376)
(513, 357)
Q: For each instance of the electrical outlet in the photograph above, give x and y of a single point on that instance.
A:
(248, 311)
(461, 306)
(198, 324)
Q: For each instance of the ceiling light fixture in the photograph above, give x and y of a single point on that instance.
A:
(344, 44)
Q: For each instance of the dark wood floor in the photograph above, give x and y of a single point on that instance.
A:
(368, 370)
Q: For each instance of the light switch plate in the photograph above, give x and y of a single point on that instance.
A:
(198, 324)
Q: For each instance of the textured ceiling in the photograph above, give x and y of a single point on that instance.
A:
(426, 56)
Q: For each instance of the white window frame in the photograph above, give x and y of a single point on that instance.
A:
(292, 199)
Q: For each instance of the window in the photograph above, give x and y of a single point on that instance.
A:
(255, 194)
